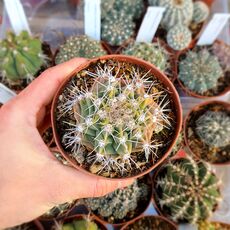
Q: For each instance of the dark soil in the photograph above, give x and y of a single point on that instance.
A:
(47, 137)
(27, 226)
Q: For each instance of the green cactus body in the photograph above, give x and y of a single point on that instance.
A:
(179, 37)
(21, 57)
(200, 71)
(79, 46)
(190, 191)
(106, 7)
(151, 52)
(200, 12)
(213, 128)
(153, 2)
(80, 225)
(117, 27)
(176, 12)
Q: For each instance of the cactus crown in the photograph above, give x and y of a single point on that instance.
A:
(21, 57)
(190, 191)
(213, 128)
(79, 46)
(84, 224)
(200, 71)
(200, 12)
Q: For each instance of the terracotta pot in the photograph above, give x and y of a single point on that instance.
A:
(173, 225)
(159, 75)
(198, 107)
(189, 92)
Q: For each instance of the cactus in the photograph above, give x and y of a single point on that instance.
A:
(118, 204)
(79, 46)
(151, 52)
(200, 71)
(21, 57)
(206, 225)
(176, 12)
(213, 128)
(200, 12)
(79, 225)
(106, 7)
(153, 2)
(179, 37)
(117, 27)
(189, 190)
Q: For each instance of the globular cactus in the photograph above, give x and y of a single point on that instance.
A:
(200, 71)
(79, 225)
(213, 128)
(151, 52)
(21, 57)
(106, 7)
(153, 2)
(179, 37)
(117, 27)
(200, 12)
(206, 225)
(79, 46)
(189, 190)
(118, 204)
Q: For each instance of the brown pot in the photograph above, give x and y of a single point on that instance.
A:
(164, 80)
(173, 225)
(198, 107)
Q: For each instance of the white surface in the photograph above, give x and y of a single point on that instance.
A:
(5, 94)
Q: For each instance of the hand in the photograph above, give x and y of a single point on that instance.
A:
(31, 180)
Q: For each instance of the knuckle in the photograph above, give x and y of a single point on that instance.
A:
(102, 187)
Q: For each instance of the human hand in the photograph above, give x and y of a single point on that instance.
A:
(31, 180)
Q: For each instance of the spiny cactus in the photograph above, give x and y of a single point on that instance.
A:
(21, 57)
(79, 225)
(106, 7)
(200, 12)
(79, 46)
(179, 37)
(116, 118)
(200, 71)
(119, 203)
(189, 190)
(153, 2)
(213, 128)
(117, 27)
(206, 225)
(151, 52)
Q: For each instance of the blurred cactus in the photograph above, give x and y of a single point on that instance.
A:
(213, 128)
(189, 190)
(206, 225)
(153, 2)
(79, 225)
(200, 71)
(200, 12)
(179, 37)
(79, 46)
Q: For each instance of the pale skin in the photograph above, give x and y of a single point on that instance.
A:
(31, 179)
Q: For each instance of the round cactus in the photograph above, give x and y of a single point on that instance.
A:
(213, 128)
(200, 71)
(179, 37)
(200, 12)
(106, 7)
(117, 27)
(151, 52)
(153, 2)
(79, 225)
(189, 190)
(79, 46)
(21, 57)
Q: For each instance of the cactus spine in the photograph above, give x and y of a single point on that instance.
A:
(200, 12)
(190, 191)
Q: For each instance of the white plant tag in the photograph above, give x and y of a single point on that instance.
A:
(5, 94)
(213, 29)
(92, 18)
(150, 24)
(16, 15)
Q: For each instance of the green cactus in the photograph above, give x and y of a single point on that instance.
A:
(117, 27)
(118, 204)
(179, 37)
(153, 2)
(21, 57)
(206, 225)
(189, 190)
(213, 128)
(80, 225)
(151, 52)
(106, 7)
(200, 12)
(200, 71)
(79, 46)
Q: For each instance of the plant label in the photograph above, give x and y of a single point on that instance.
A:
(5, 94)
(213, 29)
(150, 24)
(92, 18)
(17, 16)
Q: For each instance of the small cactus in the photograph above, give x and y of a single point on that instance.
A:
(189, 190)
(79, 225)
(179, 37)
(206, 225)
(153, 2)
(21, 57)
(79, 46)
(151, 52)
(213, 128)
(200, 12)
(200, 71)
(117, 28)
